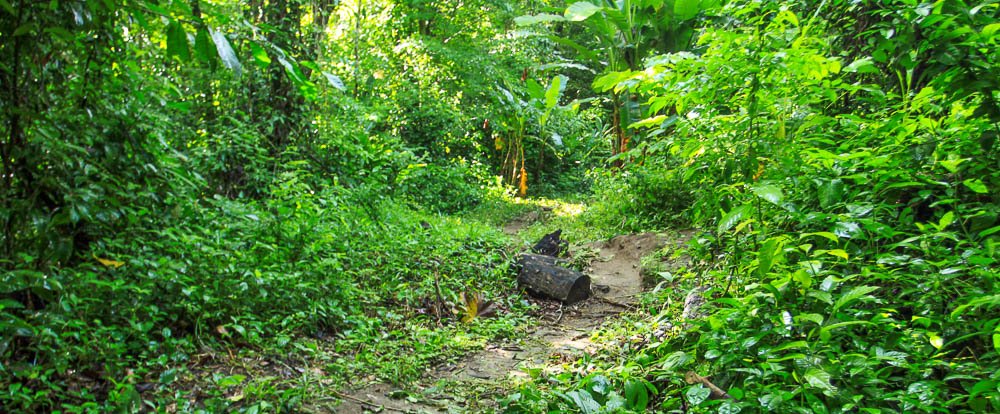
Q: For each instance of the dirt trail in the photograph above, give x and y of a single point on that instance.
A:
(561, 335)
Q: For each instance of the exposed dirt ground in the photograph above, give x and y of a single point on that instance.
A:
(562, 334)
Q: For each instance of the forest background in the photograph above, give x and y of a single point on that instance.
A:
(187, 184)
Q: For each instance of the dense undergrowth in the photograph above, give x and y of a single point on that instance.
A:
(848, 215)
(322, 273)
(246, 206)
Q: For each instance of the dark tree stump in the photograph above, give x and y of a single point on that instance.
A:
(551, 244)
(542, 275)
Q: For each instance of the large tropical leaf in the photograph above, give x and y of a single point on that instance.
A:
(581, 10)
(537, 19)
(177, 43)
(686, 9)
(226, 52)
(554, 91)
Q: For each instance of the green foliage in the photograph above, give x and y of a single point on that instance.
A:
(229, 272)
(443, 189)
(188, 184)
(185, 181)
(848, 206)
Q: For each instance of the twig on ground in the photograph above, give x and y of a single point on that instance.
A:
(561, 313)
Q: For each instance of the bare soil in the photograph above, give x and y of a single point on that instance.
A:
(562, 334)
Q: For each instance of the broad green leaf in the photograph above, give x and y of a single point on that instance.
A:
(847, 230)
(989, 231)
(730, 407)
(834, 252)
(732, 217)
(168, 376)
(792, 356)
(260, 57)
(952, 164)
(803, 278)
(852, 295)
(177, 43)
(538, 18)
(564, 65)
(820, 379)
(599, 385)
(935, 340)
(810, 317)
(230, 381)
(686, 9)
(832, 237)
(7, 7)
(10, 304)
(676, 361)
(554, 91)
(996, 339)
(991, 29)
(203, 46)
(155, 8)
(831, 192)
(226, 52)
(771, 193)
(292, 70)
(905, 184)
(636, 395)
(946, 220)
(984, 385)
(610, 80)
(654, 121)
(769, 251)
(584, 401)
(580, 11)
(334, 80)
(863, 65)
(697, 394)
(991, 301)
(976, 185)
(25, 29)
(614, 404)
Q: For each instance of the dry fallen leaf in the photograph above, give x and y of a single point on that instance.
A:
(475, 306)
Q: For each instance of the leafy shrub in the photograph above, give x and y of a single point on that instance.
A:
(848, 249)
(443, 189)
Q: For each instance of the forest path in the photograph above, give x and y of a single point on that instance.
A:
(561, 333)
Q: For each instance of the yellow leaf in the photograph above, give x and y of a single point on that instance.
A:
(760, 170)
(839, 253)
(109, 263)
(936, 340)
(471, 310)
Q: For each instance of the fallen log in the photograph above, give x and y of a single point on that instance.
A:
(542, 275)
